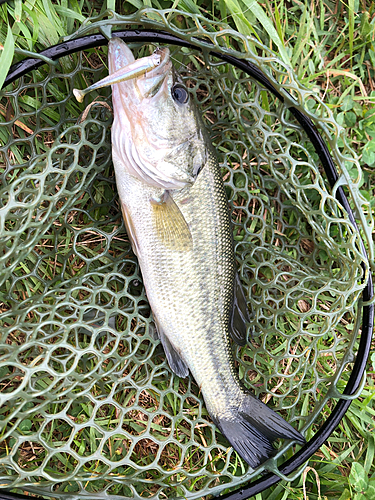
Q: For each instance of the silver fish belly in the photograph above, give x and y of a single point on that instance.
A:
(176, 213)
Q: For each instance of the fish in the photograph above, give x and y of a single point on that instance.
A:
(177, 217)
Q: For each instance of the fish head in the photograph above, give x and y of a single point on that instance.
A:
(157, 134)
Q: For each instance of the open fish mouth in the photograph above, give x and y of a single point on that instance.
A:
(156, 66)
(149, 72)
(153, 81)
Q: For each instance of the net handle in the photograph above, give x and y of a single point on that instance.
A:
(158, 36)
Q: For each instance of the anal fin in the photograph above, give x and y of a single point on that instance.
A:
(240, 314)
(176, 363)
(170, 224)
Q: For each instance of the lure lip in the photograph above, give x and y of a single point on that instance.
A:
(148, 65)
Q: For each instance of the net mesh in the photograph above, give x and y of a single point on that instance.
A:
(89, 405)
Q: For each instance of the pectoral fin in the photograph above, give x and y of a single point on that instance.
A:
(170, 224)
(240, 314)
(176, 363)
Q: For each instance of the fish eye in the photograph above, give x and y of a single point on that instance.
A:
(180, 94)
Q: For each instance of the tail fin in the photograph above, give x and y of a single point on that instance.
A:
(252, 429)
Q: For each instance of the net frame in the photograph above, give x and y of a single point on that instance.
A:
(353, 385)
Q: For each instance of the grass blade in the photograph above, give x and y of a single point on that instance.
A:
(243, 24)
(7, 56)
(278, 19)
(69, 14)
(351, 27)
(18, 10)
(256, 9)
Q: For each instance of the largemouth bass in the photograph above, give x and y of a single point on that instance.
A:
(177, 217)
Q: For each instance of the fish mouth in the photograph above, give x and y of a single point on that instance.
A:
(119, 54)
(146, 75)
(150, 82)
(165, 63)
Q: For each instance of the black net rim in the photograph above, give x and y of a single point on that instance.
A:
(145, 35)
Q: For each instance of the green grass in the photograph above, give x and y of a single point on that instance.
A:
(331, 46)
